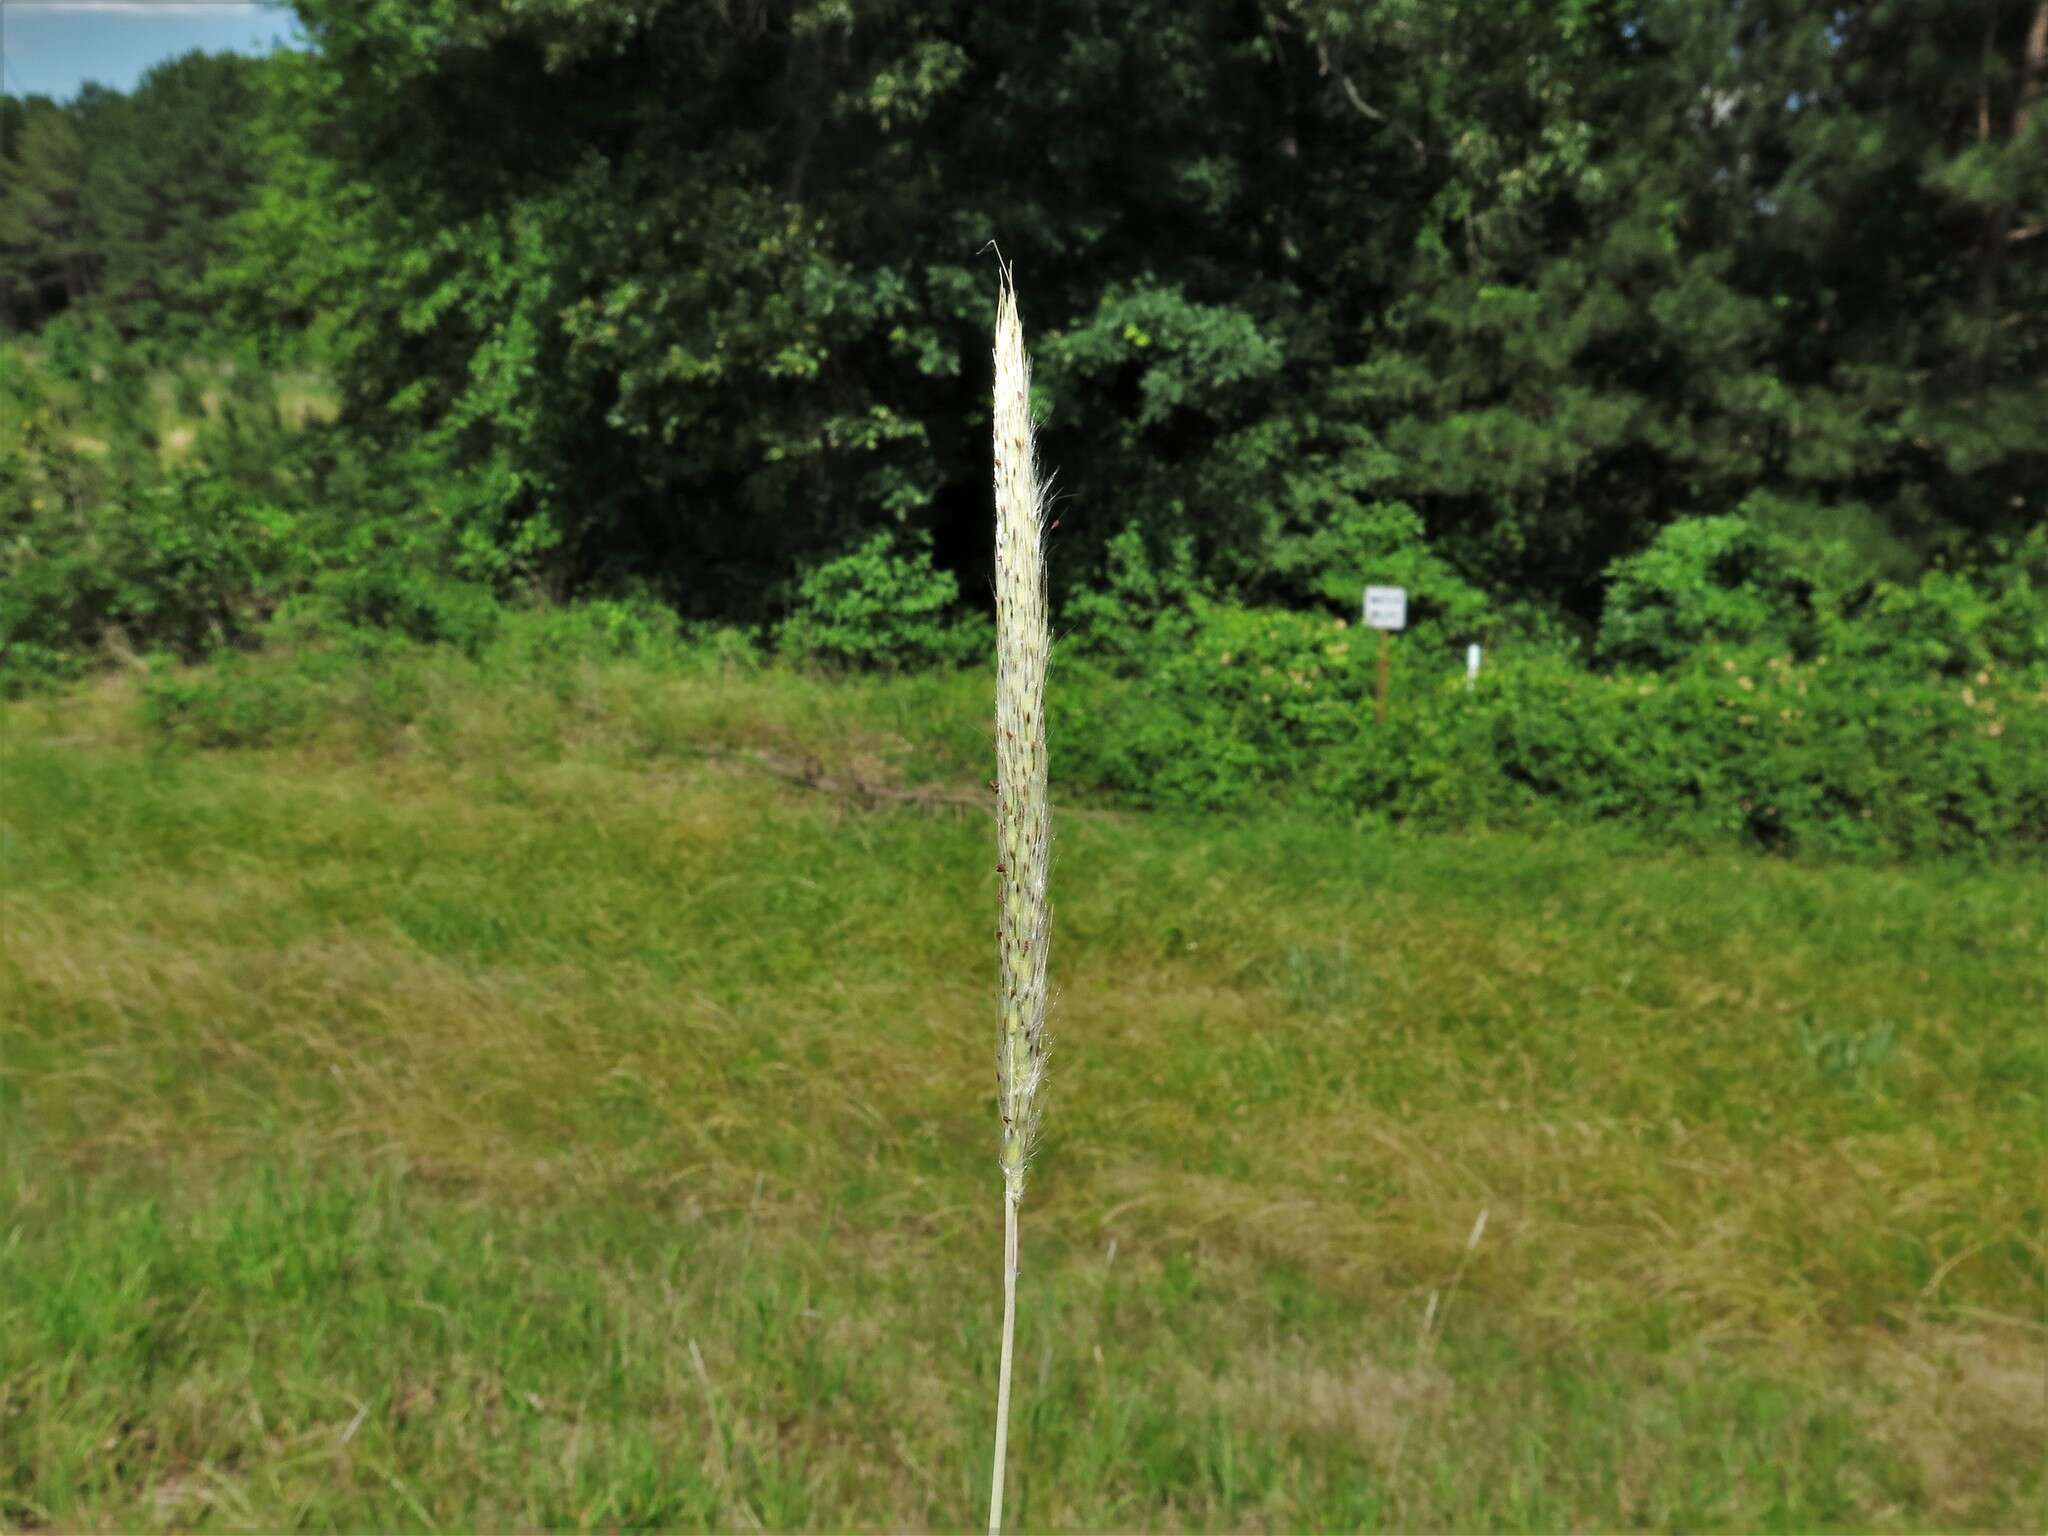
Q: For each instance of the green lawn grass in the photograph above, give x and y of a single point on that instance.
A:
(562, 1097)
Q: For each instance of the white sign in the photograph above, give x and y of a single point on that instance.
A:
(1386, 607)
(1471, 665)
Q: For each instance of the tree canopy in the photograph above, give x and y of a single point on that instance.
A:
(697, 296)
(127, 200)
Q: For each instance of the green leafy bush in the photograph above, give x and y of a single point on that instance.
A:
(883, 606)
(1953, 623)
(1146, 605)
(1350, 542)
(1705, 580)
(1238, 700)
(1849, 755)
(181, 508)
(383, 594)
(1841, 754)
(603, 629)
(93, 546)
(1138, 606)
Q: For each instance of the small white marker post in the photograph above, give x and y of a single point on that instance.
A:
(1386, 610)
(1471, 666)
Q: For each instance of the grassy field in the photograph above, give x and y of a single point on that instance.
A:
(565, 1100)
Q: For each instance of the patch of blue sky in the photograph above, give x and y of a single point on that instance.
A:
(56, 47)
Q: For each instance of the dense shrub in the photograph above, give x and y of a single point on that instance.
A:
(1138, 605)
(1147, 601)
(185, 508)
(97, 547)
(1705, 580)
(1845, 754)
(1234, 702)
(884, 605)
(1954, 623)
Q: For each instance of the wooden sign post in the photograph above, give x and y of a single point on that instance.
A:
(1386, 610)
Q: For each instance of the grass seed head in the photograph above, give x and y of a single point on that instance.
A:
(1023, 816)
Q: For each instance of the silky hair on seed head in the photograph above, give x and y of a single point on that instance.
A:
(1023, 809)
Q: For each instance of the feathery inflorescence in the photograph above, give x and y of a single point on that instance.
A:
(1023, 816)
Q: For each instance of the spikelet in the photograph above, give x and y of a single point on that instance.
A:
(1023, 818)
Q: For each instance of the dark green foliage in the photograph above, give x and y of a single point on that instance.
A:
(47, 260)
(1674, 256)
(126, 201)
(1551, 284)
(1143, 598)
(168, 167)
(697, 297)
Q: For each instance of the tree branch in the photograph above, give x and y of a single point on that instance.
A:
(1365, 108)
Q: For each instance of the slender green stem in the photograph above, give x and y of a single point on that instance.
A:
(995, 1496)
